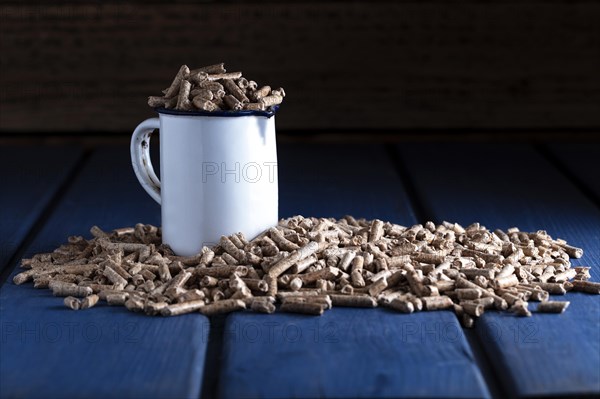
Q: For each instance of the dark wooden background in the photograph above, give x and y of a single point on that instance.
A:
(73, 66)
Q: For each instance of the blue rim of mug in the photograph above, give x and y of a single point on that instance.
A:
(230, 114)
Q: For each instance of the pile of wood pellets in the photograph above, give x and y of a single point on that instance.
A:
(212, 88)
(308, 265)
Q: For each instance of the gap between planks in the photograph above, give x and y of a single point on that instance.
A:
(423, 214)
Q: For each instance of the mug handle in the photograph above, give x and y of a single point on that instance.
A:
(140, 157)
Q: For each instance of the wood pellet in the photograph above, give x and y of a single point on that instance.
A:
(212, 88)
(308, 265)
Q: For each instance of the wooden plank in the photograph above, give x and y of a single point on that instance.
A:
(372, 353)
(346, 352)
(503, 185)
(582, 163)
(333, 180)
(31, 176)
(48, 350)
(384, 64)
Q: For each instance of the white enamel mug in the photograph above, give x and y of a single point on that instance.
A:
(218, 175)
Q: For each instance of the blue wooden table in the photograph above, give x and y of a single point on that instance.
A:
(51, 192)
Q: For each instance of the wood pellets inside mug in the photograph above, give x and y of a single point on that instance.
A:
(212, 88)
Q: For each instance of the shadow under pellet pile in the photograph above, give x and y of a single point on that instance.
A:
(309, 265)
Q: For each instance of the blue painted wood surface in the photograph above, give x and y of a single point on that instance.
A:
(333, 180)
(345, 352)
(31, 175)
(582, 160)
(503, 186)
(348, 353)
(48, 350)
(109, 351)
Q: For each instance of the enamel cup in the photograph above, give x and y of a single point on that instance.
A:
(218, 175)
